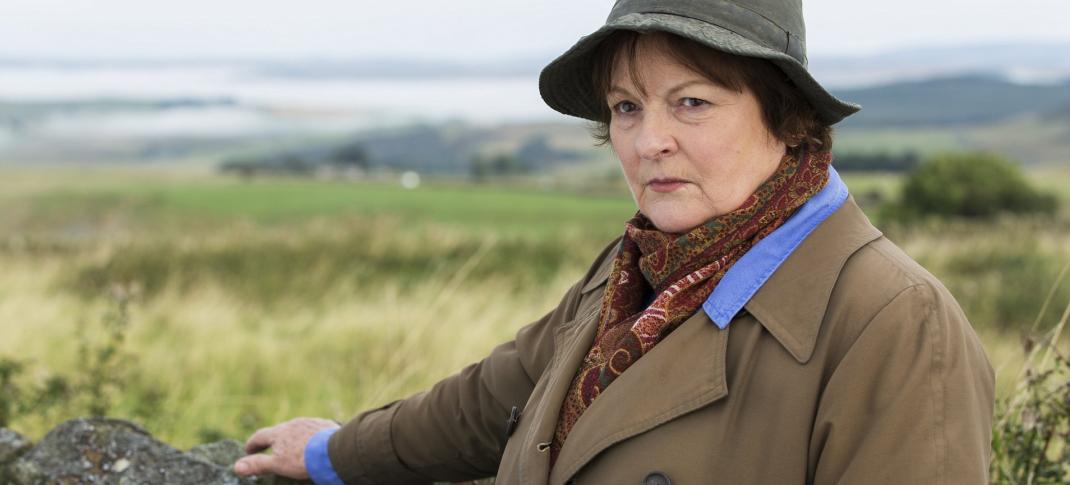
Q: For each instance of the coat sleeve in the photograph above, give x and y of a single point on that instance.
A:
(457, 429)
(910, 402)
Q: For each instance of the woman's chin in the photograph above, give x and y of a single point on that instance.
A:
(678, 216)
(674, 225)
(677, 212)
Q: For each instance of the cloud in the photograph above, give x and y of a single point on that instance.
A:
(457, 29)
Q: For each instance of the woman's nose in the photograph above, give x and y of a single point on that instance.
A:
(655, 139)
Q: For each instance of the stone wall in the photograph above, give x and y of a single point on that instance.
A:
(112, 451)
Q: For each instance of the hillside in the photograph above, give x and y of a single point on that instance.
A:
(960, 100)
(1028, 122)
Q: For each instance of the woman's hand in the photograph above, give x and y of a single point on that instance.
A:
(287, 443)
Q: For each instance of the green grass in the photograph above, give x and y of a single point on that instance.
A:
(159, 201)
(1054, 179)
(288, 200)
(925, 141)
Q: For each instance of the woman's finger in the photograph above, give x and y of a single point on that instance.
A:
(261, 440)
(255, 465)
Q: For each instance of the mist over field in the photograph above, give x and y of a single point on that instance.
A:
(1014, 101)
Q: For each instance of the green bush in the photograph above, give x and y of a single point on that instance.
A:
(968, 185)
(1002, 285)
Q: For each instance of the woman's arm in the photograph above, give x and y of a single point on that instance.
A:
(454, 431)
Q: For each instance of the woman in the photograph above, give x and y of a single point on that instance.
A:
(749, 327)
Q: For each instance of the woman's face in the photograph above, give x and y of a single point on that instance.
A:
(690, 149)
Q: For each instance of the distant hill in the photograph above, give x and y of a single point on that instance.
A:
(1060, 114)
(974, 99)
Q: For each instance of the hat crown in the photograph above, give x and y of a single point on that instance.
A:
(775, 24)
(772, 30)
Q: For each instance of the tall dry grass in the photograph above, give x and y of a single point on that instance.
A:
(211, 357)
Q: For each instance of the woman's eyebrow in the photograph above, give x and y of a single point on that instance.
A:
(618, 90)
(685, 85)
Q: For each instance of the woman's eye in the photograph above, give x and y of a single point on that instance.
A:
(625, 107)
(693, 102)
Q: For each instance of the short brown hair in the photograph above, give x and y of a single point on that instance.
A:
(785, 112)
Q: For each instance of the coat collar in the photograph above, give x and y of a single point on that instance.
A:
(602, 273)
(792, 302)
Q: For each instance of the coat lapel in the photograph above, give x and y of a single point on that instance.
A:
(571, 343)
(658, 388)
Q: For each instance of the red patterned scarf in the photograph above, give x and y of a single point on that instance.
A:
(679, 272)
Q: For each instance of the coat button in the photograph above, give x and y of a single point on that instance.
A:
(657, 478)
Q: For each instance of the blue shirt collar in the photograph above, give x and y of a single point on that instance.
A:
(754, 268)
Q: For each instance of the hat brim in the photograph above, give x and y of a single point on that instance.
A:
(566, 83)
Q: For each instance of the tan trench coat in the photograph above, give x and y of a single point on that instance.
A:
(851, 365)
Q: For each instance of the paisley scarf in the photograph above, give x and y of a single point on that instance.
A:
(660, 279)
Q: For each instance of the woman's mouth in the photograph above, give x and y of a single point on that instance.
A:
(665, 185)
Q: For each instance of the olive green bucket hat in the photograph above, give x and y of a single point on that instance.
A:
(766, 29)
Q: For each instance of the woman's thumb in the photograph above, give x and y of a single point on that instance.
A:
(254, 465)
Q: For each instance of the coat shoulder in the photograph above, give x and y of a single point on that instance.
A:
(901, 361)
(879, 272)
(874, 277)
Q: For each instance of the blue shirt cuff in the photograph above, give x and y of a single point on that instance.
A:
(317, 462)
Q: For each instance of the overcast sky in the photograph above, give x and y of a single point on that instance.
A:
(463, 29)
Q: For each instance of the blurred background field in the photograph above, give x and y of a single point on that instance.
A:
(288, 213)
(252, 301)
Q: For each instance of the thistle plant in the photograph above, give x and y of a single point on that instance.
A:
(1031, 438)
(104, 364)
(103, 367)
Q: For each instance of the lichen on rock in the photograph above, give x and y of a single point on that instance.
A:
(116, 452)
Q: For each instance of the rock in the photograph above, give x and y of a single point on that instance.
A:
(221, 453)
(111, 451)
(12, 446)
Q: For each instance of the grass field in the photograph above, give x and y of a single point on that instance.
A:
(256, 301)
